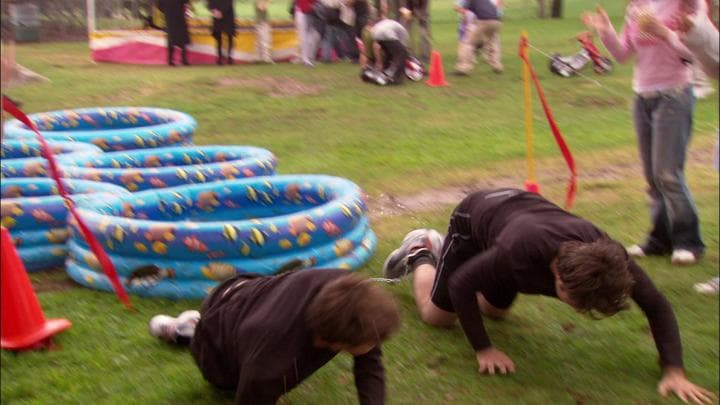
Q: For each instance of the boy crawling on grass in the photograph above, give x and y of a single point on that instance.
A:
(262, 336)
(506, 241)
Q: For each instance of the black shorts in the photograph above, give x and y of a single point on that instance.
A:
(460, 247)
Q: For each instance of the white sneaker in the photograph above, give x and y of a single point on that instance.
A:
(683, 257)
(703, 91)
(635, 251)
(163, 327)
(709, 287)
(190, 317)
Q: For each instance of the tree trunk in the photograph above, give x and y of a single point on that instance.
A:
(556, 9)
(541, 9)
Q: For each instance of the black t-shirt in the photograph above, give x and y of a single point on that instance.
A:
(252, 338)
(516, 241)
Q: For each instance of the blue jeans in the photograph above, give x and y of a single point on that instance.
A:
(663, 125)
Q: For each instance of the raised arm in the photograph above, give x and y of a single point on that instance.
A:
(701, 37)
(667, 339)
(619, 46)
(370, 377)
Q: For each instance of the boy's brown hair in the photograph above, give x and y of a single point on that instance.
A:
(353, 310)
(595, 275)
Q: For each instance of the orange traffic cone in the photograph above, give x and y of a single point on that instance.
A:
(437, 74)
(23, 324)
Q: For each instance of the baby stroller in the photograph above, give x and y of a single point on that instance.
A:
(567, 66)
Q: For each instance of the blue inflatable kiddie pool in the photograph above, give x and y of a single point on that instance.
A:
(110, 128)
(199, 235)
(36, 215)
(168, 167)
(24, 158)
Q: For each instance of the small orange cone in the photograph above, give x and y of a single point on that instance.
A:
(437, 74)
(23, 325)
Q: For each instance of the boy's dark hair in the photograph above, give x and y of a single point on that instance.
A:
(352, 310)
(595, 276)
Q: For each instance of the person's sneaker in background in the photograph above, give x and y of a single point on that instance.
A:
(683, 257)
(645, 250)
(709, 287)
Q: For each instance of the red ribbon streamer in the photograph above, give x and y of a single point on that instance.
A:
(105, 262)
(572, 183)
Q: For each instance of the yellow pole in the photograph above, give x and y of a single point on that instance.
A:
(530, 156)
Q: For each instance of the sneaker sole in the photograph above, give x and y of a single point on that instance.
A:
(394, 266)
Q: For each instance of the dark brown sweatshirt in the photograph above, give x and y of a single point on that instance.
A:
(252, 338)
(516, 241)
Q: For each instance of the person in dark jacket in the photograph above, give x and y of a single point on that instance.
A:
(223, 22)
(176, 28)
(507, 241)
(262, 336)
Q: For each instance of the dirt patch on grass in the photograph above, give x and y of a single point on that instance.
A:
(431, 199)
(54, 280)
(273, 86)
(592, 177)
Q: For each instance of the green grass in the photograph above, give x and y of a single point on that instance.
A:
(396, 141)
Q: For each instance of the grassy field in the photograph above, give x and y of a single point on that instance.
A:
(397, 143)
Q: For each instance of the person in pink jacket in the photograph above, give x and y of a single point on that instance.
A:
(662, 114)
(697, 32)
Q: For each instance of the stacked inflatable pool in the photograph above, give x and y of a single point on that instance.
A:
(112, 128)
(199, 235)
(198, 214)
(173, 166)
(24, 158)
(36, 215)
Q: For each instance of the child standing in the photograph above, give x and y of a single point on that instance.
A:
(176, 28)
(223, 13)
(662, 114)
(482, 31)
(263, 33)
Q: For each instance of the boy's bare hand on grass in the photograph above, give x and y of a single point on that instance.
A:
(674, 381)
(491, 358)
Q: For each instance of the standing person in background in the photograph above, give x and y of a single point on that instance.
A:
(176, 28)
(263, 32)
(411, 10)
(388, 9)
(307, 23)
(223, 13)
(363, 12)
(697, 32)
(662, 115)
(482, 31)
